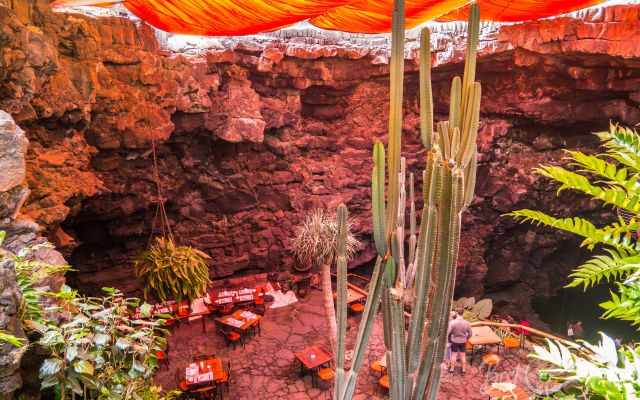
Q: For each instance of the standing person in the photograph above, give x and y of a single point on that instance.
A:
(570, 332)
(447, 352)
(578, 331)
(458, 334)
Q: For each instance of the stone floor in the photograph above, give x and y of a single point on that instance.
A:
(266, 369)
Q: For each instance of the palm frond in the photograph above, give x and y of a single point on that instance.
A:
(316, 239)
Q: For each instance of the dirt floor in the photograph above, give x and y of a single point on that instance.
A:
(266, 367)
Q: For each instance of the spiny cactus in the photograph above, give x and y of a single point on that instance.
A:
(448, 186)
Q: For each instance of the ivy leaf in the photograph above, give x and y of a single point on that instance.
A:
(123, 344)
(71, 353)
(50, 367)
(145, 310)
(83, 367)
(101, 340)
(51, 338)
(137, 369)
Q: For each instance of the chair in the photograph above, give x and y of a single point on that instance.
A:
(326, 376)
(357, 308)
(226, 309)
(510, 342)
(205, 393)
(384, 382)
(231, 337)
(181, 383)
(378, 368)
(491, 361)
(163, 359)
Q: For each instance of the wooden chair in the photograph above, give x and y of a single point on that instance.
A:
(256, 328)
(232, 338)
(384, 382)
(357, 308)
(223, 384)
(325, 377)
(181, 383)
(163, 359)
(490, 361)
(226, 309)
(510, 342)
(205, 393)
(378, 368)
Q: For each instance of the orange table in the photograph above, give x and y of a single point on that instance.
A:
(204, 372)
(313, 357)
(239, 321)
(482, 336)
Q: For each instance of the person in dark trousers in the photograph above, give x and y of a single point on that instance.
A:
(458, 335)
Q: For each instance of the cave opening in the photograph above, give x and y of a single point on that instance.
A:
(206, 196)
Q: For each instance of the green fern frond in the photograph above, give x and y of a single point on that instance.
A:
(618, 264)
(614, 196)
(597, 166)
(623, 145)
(615, 235)
(626, 306)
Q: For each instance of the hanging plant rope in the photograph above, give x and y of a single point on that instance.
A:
(161, 211)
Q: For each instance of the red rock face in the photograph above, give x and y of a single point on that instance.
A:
(256, 133)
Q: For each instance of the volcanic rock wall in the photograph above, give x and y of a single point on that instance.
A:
(251, 134)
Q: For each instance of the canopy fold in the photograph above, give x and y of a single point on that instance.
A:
(244, 17)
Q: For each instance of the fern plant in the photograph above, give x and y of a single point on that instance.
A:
(171, 271)
(611, 177)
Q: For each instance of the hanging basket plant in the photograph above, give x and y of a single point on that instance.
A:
(171, 271)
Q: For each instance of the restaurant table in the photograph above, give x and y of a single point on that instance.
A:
(516, 394)
(204, 374)
(223, 297)
(482, 336)
(240, 320)
(312, 358)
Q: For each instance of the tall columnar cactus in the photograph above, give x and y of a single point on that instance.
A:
(414, 357)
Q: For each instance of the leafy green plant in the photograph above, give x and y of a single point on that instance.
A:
(171, 271)
(11, 339)
(602, 372)
(97, 351)
(30, 275)
(613, 178)
(474, 311)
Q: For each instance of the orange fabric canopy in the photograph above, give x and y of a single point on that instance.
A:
(242, 17)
